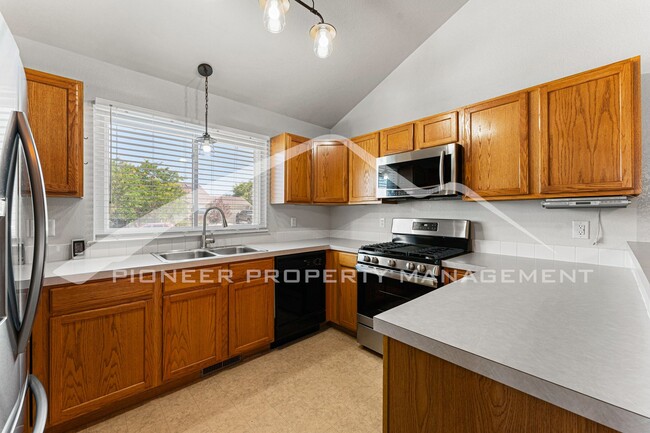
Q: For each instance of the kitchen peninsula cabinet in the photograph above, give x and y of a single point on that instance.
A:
(56, 117)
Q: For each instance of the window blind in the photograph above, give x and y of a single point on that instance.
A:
(150, 177)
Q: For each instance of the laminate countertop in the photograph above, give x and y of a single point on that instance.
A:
(84, 270)
(574, 335)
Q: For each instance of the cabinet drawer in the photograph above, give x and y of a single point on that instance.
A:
(241, 270)
(347, 260)
(68, 299)
(180, 280)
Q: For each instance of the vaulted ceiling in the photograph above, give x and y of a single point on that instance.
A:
(169, 38)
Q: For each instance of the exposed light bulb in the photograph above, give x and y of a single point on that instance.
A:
(274, 19)
(323, 35)
(206, 146)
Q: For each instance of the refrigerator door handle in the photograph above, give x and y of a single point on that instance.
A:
(37, 186)
(40, 398)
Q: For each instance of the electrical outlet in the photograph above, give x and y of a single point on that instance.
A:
(382, 222)
(293, 222)
(580, 230)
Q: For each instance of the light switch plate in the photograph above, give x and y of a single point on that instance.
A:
(293, 222)
(382, 222)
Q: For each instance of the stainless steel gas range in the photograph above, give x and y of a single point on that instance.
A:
(393, 273)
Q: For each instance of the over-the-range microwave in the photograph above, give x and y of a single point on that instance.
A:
(423, 174)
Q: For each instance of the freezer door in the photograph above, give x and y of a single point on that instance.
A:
(13, 371)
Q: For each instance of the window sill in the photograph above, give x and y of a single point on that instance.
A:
(105, 238)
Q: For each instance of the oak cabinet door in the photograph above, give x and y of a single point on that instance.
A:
(100, 356)
(298, 170)
(363, 170)
(193, 336)
(56, 117)
(330, 172)
(251, 311)
(396, 139)
(496, 139)
(436, 130)
(347, 293)
(588, 138)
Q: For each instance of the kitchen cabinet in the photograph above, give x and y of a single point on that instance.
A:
(341, 299)
(590, 132)
(496, 145)
(55, 114)
(330, 159)
(396, 139)
(449, 275)
(103, 345)
(363, 170)
(436, 130)
(251, 307)
(195, 324)
(291, 169)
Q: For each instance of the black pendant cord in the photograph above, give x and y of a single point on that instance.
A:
(206, 106)
(311, 9)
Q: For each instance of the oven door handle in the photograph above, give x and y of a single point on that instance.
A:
(401, 276)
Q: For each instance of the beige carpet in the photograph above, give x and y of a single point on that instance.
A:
(325, 383)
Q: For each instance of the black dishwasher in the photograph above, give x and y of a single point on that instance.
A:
(299, 295)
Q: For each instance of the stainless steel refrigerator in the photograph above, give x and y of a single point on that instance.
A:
(23, 244)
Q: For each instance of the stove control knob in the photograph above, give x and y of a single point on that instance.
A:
(366, 258)
(410, 266)
(422, 268)
(392, 263)
(375, 260)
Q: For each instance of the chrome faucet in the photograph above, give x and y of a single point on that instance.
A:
(205, 220)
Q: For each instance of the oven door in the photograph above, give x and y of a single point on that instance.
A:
(419, 174)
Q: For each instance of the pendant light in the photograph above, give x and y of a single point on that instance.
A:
(205, 142)
(322, 34)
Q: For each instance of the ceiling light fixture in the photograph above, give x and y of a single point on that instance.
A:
(205, 142)
(322, 34)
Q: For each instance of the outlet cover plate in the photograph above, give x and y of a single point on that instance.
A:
(580, 230)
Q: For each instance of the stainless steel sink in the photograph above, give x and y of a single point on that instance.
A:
(181, 256)
(229, 251)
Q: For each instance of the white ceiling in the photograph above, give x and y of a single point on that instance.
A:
(169, 38)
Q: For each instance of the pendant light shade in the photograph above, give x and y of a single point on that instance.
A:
(274, 14)
(205, 142)
(323, 36)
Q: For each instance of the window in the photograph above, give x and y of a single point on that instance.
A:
(149, 177)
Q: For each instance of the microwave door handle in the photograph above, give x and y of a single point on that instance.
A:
(441, 170)
(40, 230)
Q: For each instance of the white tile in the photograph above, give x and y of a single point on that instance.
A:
(490, 247)
(587, 255)
(564, 253)
(150, 246)
(509, 248)
(178, 243)
(525, 250)
(607, 257)
(544, 252)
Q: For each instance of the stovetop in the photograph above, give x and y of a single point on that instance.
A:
(412, 251)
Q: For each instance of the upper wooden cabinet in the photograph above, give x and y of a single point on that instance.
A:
(590, 133)
(363, 170)
(436, 130)
(291, 171)
(396, 139)
(330, 168)
(55, 114)
(496, 142)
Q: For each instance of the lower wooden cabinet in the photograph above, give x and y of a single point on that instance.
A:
(194, 330)
(251, 315)
(341, 302)
(101, 354)
(449, 275)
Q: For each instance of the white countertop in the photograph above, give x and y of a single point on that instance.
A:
(581, 345)
(83, 270)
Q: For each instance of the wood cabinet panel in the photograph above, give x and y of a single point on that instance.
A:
(396, 139)
(496, 140)
(68, 299)
(193, 330)
(589, 141)
(363, 169)
(100, 356)
(423, 393)
(182, 280)
(449, 275)
(291, 169)
(250, 270)
(345, 297)
(55, 114)
(330, 172)
(251, 316)
(436, 130)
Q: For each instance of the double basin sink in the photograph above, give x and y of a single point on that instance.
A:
(207, 253)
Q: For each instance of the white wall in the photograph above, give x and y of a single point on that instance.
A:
(73, 217)
(489, 48)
